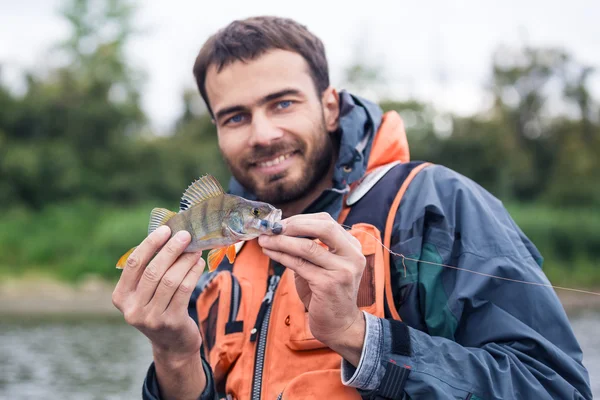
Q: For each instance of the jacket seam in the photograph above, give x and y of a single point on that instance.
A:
(378, 353)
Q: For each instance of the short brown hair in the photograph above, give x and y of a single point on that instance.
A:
(244, 40)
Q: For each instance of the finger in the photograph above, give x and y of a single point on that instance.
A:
(159, 265)
(326, 230)
(140, 257)
(170, 281)
(182, 296)
(323, 216)
(305, 269)
(301, 248)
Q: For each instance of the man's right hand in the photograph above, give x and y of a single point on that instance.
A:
(153, 295)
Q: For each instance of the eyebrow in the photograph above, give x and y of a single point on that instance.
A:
(270, 97)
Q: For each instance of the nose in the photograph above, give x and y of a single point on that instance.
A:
(264, 132)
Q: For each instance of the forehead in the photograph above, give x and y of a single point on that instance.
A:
(243, 83)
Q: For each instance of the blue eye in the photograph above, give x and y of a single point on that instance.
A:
(236, 119)
(284, 104)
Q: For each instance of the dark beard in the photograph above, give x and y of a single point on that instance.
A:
(282, 193)
(279, 191)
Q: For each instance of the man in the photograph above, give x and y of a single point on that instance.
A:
(340, 317)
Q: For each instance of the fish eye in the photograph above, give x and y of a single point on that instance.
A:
(256, 212)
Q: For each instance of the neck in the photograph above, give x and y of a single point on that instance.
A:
(297, 206)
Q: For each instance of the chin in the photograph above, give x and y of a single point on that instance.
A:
(279, 187)
(285, 190)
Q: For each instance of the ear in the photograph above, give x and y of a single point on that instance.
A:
(331, 108)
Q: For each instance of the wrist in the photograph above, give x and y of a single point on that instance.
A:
(350, 343)
(174, 360)
(179, 376)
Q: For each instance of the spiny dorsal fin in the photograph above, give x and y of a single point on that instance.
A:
(158, 217)
(200, 190)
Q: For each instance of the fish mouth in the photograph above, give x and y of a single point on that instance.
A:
(273, 222)
(274, 216)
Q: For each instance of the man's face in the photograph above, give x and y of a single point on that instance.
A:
(272, 125)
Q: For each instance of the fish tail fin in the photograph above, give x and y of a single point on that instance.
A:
(124, 257)
(158, 217)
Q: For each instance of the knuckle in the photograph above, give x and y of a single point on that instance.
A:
(323, 215)
(116, 300)
(329, 226)
(310, 247)
(361, 260)
(132, 261)
(151, 273)
(299, 261)
(131, 317)
(167, 281)
(153, 242)
(153, 323)
(345, 276)
(171, 248)
(186, 287)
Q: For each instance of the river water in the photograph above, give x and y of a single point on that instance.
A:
(96, 358)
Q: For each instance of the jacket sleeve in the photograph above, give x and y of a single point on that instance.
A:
(150, 388)
(467, 335)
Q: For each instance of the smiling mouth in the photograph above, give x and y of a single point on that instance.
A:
(275, 160)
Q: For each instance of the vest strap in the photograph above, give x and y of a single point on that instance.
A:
(388, 237)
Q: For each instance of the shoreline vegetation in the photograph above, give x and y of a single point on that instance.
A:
(71, 241)
(29, 296)
(81, 166)
(62, 259)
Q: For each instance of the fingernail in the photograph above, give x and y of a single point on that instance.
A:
(182, 236)
(277, 228)
(263, 239)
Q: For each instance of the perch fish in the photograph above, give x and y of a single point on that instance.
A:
(215, 220)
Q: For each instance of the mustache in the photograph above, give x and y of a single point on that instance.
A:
(261, 153)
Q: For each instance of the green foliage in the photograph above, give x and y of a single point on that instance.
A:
(79, 132)
(80, 168)
(71, 240)
(80, 238)
(569, 240)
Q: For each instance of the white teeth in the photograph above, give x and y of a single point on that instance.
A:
(274, 161)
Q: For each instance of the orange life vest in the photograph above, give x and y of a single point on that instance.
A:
(255, 329)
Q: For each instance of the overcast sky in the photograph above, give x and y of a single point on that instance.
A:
(416, 45)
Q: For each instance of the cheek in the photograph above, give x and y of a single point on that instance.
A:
(303, 124)
(231, 146)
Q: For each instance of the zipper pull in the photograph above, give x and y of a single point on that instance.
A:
(267, 300)
(273, 282)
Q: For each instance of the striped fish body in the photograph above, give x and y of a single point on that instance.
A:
(215, 220)
(205, 222)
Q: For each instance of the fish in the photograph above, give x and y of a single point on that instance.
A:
(215, 220)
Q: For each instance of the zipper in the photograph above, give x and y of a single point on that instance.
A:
(260, 332)
(236, 295)
(280, 396)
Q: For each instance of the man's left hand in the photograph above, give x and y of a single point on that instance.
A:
(327, 280)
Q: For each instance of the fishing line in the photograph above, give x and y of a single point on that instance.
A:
(466, 270)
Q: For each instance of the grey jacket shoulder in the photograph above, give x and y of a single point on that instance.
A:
(474, 326)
